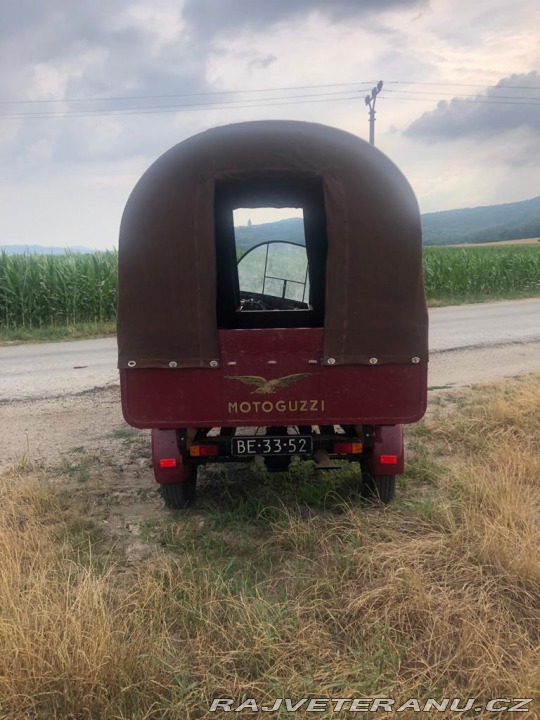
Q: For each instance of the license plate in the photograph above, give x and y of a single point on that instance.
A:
(278, 445)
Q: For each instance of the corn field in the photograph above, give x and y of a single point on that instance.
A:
(481, 272)
(53, 290)
(63, 290)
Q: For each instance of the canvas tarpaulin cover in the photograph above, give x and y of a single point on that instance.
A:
(374, 295)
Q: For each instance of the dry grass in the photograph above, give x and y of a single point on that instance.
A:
(70, 639)
(437, 596)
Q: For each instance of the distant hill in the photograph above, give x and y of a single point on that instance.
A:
(491, 223)
(42, 250)
(291, 229)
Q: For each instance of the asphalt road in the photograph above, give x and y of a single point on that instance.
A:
(484, 324)
(67, 368)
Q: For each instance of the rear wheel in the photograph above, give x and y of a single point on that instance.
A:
(378, 488)
(180, 495)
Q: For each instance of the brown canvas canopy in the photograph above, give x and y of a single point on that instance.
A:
(374, 296)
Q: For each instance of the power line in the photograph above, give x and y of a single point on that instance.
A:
(467, 100)
(159, 111)
(261, 90)
(461, 97)
(181, 95)
(112, 110)
(207, 107)
(261, 102)
(451, 84)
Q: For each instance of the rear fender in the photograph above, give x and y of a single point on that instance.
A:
(165, 448)
(387, 455)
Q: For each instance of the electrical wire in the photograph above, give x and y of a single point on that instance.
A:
(159, 111)
(259, 102)
(450, 84)
(181, 95)
(461, 97)
(261, 90)
(112, 110)
(465, 100)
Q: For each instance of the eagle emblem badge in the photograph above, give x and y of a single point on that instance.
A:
(267, 387)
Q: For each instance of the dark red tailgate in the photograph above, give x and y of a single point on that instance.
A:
(273, 377)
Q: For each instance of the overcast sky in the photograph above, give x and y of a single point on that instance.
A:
(456, 114)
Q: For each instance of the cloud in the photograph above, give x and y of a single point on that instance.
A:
(75, 173)
(261, 61)
(476, 118)
(95, 47)
(93, 50)
(208, 17)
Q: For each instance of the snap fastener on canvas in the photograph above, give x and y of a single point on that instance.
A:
(173, 364)
(214, 363)
(331, 361)
(373, 361)
(416, 359)
(131, 363)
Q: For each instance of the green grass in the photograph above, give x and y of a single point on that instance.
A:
(124, 433)
(72, 296)
(81, 468)
(79, 331)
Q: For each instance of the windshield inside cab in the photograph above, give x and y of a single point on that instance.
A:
(274, 276)
(273, 271)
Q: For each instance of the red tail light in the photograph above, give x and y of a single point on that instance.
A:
(350, 448)
(167, 462)
(204, 450)
(388, 459)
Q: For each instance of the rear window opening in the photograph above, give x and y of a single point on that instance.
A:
(271, 254)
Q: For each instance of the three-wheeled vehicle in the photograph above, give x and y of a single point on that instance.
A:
(312, 346)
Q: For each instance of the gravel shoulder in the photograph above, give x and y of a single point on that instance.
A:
(46, 430)
(104, 466)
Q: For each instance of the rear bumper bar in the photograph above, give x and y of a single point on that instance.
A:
(381, 450)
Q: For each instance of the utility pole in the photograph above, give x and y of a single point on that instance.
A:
(370, 101)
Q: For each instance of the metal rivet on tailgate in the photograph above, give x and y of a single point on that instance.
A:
(131, 363)
(416, 359)
(272, 362)
(173, 364)
(331, 361)
(214, 363)
(313, 362)
(233, 362)
(373, 361)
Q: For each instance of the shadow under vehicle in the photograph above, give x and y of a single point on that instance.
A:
(315, 347)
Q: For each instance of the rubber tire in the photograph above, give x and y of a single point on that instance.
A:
(180, 495)
(378, 488)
